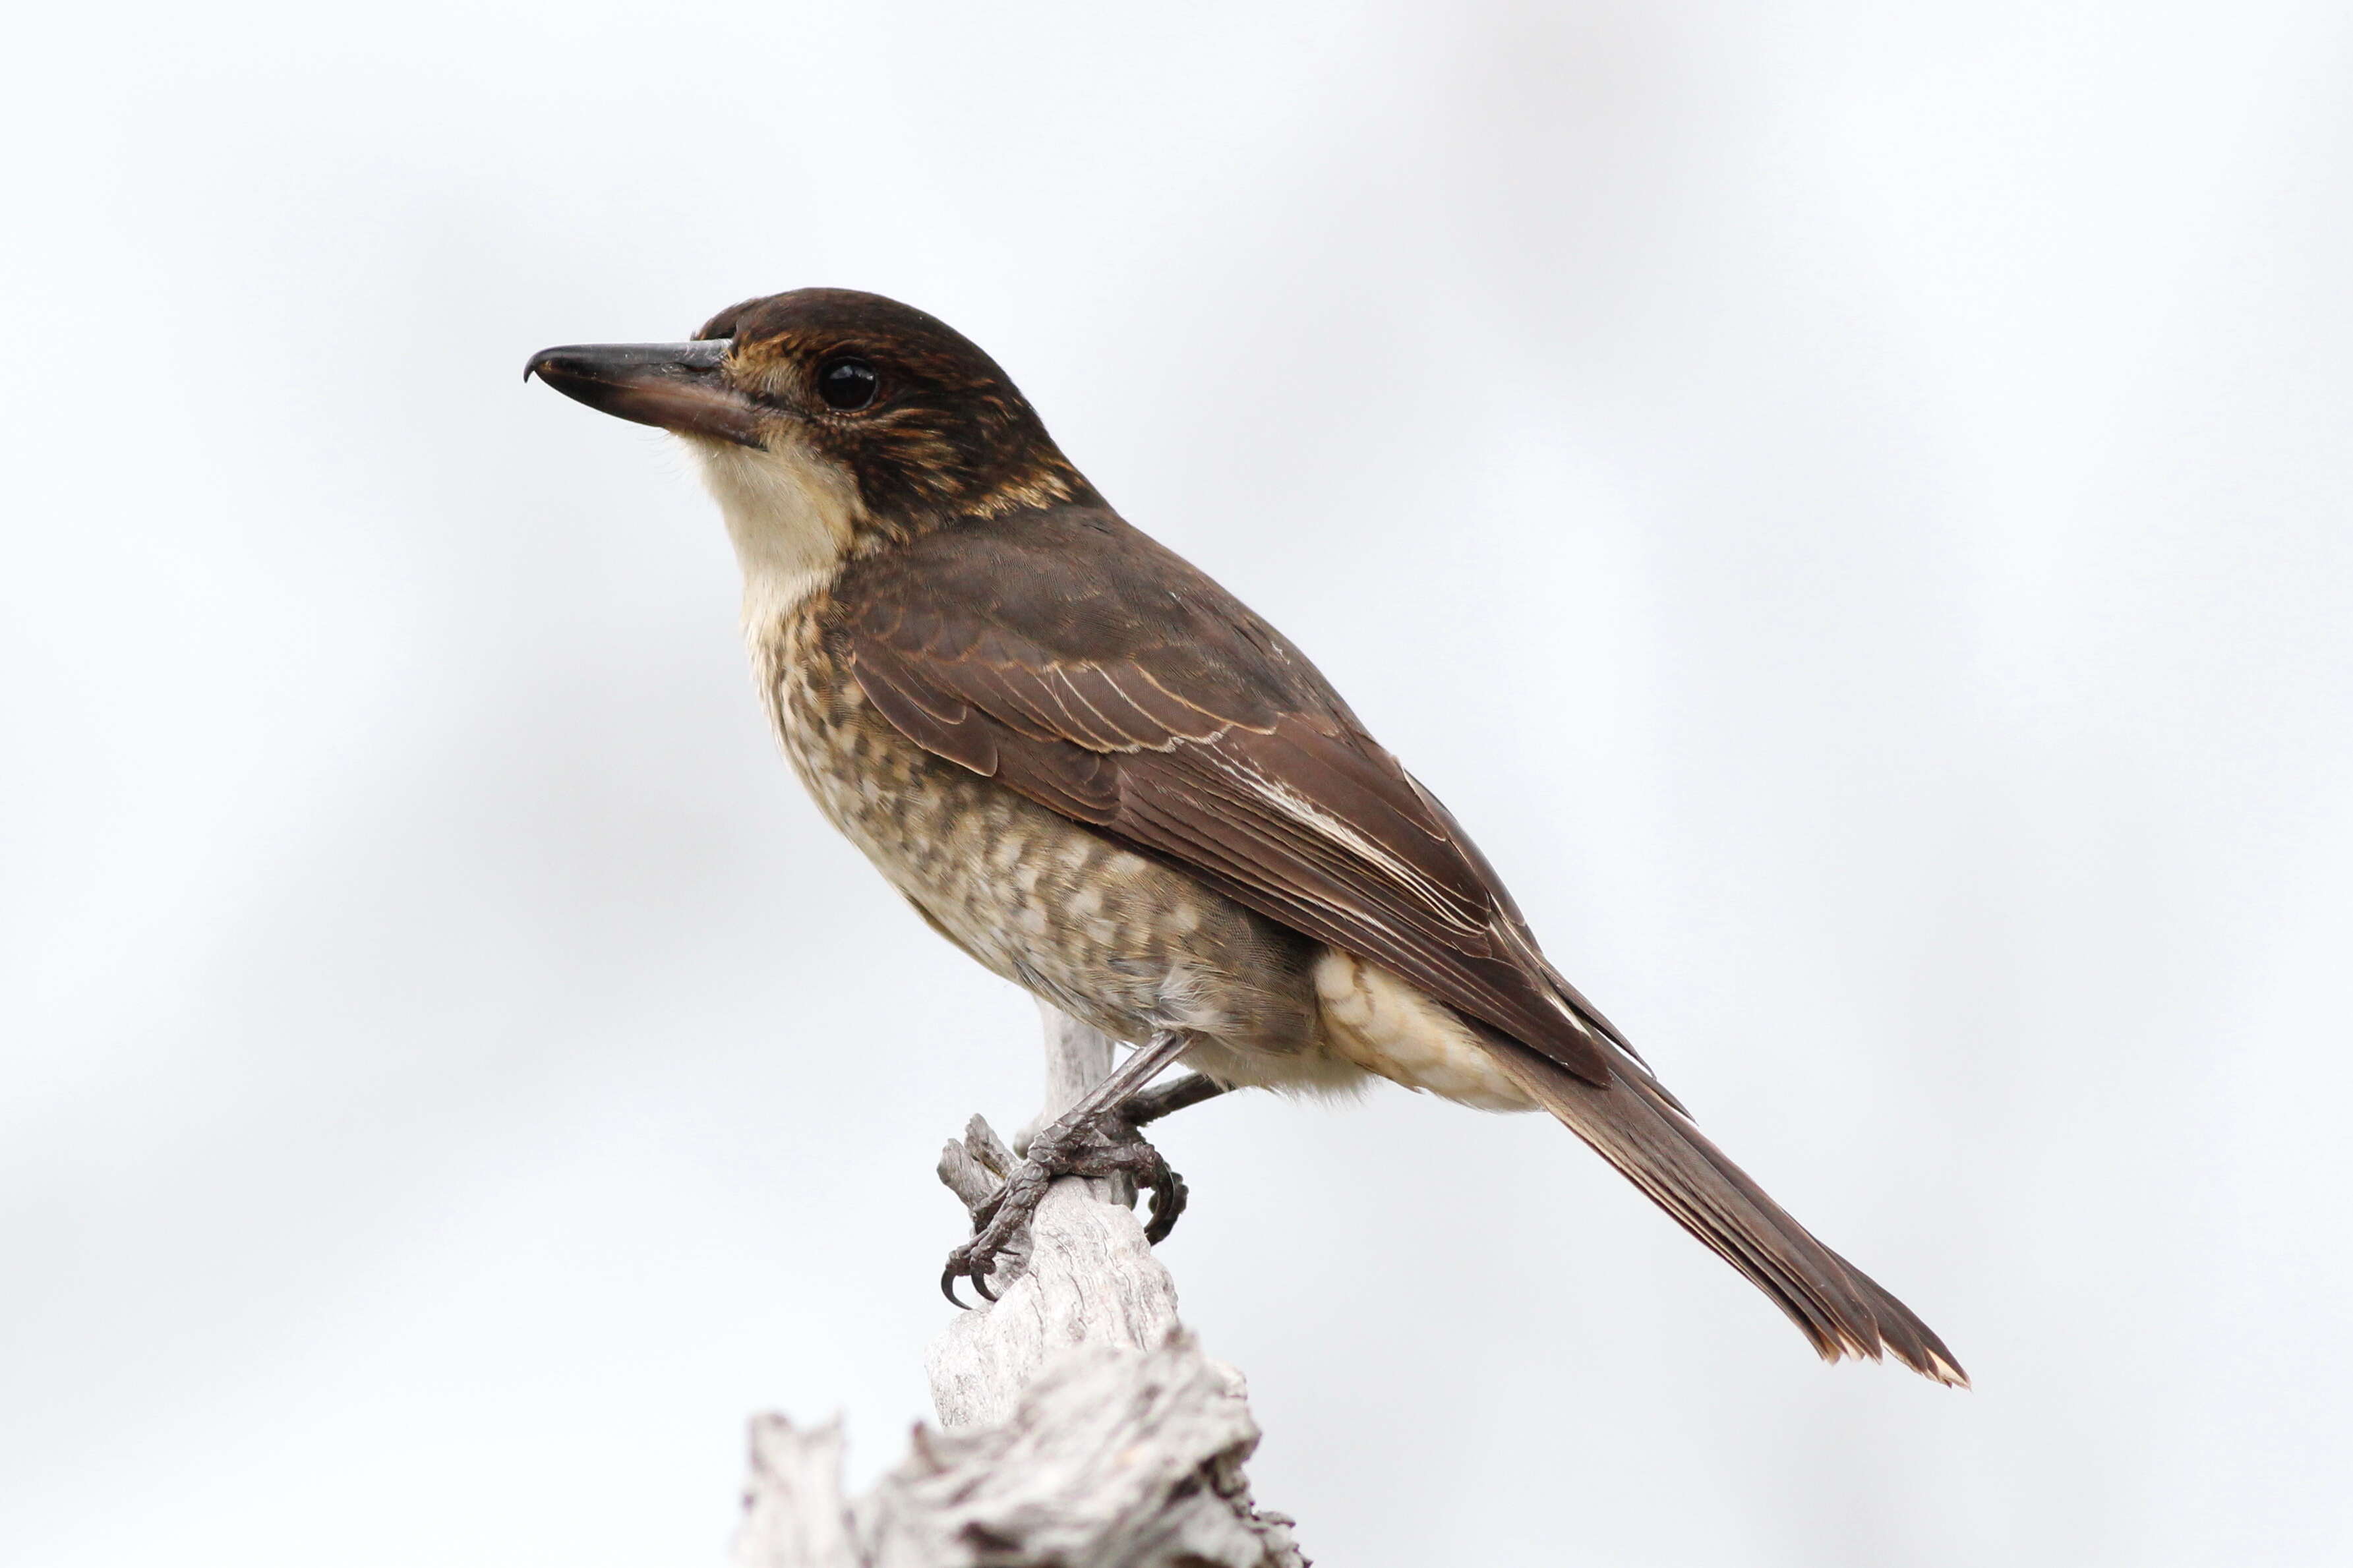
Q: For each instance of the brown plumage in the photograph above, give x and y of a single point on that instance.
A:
(1105, 778)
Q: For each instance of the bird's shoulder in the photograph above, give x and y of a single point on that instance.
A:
(1078, 591)
(1081, 663)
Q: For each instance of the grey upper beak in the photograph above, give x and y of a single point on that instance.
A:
(677, 386)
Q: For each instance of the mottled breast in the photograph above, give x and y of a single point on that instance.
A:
(1122, 941)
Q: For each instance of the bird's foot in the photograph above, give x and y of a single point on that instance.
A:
(1104, 1144)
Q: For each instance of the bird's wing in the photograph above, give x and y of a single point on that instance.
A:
(1076, 661)
(1072, 660)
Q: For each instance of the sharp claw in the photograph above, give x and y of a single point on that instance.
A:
(1168, 1202)
(1100, 1146)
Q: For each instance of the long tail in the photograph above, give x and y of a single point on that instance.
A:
(1636, 1126)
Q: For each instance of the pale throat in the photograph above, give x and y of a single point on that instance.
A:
(790, 515)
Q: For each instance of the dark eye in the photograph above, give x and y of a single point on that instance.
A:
(846, 384)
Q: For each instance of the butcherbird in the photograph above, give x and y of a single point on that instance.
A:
(1100, 774)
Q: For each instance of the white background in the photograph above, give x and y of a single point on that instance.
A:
(1847, 501)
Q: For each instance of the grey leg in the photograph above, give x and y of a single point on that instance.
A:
(1148, 1106)
(1094, 1138)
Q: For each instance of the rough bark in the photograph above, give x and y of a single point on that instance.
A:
(1083, 1427)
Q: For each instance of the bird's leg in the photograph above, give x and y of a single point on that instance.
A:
(1096, 1137)
(1148, 1106)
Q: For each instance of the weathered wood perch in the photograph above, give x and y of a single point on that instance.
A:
(1082, 1426)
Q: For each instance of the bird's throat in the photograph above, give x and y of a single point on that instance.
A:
(791, 514)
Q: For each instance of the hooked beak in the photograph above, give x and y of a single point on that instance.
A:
(677, 386)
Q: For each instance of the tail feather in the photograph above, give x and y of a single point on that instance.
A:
(1637, 1127)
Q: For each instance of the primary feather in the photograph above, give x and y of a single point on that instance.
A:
(1080, 664)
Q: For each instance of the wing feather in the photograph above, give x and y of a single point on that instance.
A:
(1166, 714)
(1077, 662)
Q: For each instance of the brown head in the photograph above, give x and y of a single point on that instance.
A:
(837, 421)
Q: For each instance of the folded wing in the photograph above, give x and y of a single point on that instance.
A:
(1076, 661)
(1104, 677)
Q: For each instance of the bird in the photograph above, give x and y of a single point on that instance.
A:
(1104, 778)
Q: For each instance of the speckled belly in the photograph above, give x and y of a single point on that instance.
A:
(1116, 940)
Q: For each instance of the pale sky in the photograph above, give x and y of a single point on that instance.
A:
(1847, 502)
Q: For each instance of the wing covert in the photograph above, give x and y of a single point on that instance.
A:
(1192, 731)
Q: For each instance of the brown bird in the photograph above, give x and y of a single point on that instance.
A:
(1104, 777)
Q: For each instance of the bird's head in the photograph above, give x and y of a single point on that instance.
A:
(825, 408)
